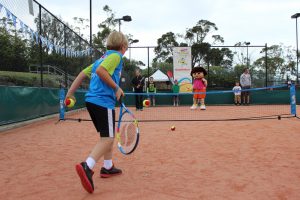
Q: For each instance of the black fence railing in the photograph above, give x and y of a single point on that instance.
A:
(37, 48)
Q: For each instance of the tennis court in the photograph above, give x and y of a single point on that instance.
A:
(246, 159)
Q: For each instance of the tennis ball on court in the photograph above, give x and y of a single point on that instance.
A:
(172, 128)
(146, 103)
(70, 102)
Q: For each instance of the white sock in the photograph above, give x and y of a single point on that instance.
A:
(107, 164)
(90, 162)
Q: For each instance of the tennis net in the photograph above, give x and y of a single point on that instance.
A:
(274, 102)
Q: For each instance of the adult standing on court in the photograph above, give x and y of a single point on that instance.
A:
(100, 100)
(245, 81)
(138, 85)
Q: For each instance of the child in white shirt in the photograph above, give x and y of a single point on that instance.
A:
(237, 93)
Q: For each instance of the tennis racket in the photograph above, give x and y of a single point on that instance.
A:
(170, 75)
(127, 131)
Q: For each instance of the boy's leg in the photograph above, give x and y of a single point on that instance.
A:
(104, 122)
(103, 147)
(174, 100)
(151, 99)
(108, 168)
(84, 169)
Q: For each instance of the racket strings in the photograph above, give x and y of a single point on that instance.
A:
(128, 134)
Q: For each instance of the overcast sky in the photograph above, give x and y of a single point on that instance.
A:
(255, 21)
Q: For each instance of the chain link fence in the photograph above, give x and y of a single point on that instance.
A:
(39, 49)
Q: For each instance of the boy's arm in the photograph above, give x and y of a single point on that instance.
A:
(75, 85)
(78, 80)
(105, 76)
(106, 70)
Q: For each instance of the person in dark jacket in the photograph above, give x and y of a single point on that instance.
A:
(138, 84)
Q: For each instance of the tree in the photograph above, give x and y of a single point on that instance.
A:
(81, 24)
(13, 48)
(221, 77)
(162, 66)
(219, 57)
(196, 38)
(163, 50)
(105, 28)
(280, 62)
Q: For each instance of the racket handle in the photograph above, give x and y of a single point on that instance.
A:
(121, 100)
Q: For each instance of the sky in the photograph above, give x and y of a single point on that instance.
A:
(255, 21)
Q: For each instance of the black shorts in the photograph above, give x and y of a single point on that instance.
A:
(103, 119)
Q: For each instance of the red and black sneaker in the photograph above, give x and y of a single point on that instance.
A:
(106, 173)
(86, 176)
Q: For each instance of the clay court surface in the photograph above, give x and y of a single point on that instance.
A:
(199, 160)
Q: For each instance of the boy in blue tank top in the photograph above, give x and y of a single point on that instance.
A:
(100, 101)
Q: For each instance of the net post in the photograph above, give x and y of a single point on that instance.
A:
(61, 104)
(293, 99)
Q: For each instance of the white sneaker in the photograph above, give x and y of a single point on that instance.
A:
(202, 107)
(193, 107)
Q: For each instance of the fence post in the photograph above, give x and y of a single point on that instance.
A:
(61, 104)
(40, 44)
(266, 63)
(148, 66)
(91, 33)
(65, 63)
(293, 99)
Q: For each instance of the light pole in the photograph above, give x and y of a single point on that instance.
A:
(247, 43)
(125, 18)
(91, 36)
(131, 41)
(295, 16)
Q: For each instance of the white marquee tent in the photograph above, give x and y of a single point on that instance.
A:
(159, 76)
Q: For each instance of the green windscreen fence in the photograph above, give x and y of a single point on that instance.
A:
(24, 103)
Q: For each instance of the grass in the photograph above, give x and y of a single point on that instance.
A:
(28, 79)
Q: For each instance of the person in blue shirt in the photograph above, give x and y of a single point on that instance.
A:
(100, 100)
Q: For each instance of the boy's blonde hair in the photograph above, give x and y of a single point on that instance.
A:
(116, 40)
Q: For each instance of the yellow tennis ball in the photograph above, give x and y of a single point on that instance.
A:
(146, 103)
(70, 102)
(172, 128)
